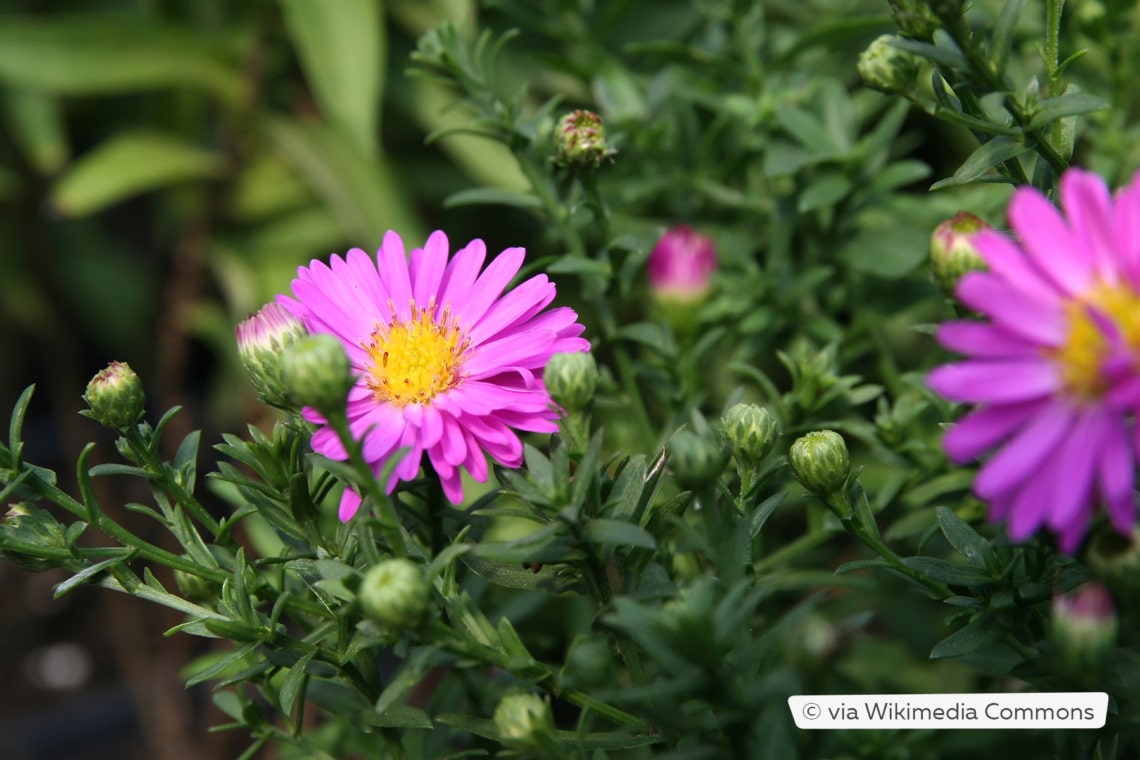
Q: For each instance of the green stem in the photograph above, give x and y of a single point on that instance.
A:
(389, 521)
(160, 474)
(1053, 10)
(895, 561)
(789, 551)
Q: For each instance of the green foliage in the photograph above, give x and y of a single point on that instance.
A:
(657, 612)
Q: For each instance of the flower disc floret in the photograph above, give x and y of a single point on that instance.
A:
(447, 362)
(1055, 369)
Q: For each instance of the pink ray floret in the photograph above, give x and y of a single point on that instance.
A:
(447, 363)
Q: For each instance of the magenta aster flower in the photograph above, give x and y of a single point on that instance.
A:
(448, 364)
(1055, 371)
(681, 265)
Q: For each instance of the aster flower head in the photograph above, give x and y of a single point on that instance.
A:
(446, 363)
(1055, 368)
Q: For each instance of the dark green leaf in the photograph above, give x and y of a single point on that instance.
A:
(823, 192)
(975, 635)
(1069, 104)
(400, 716)
(294, 682)
(219, 665)
(1002, 36)
(982, 160)
(550, 579)
(951, 573)
(603, 531)
(84, 575)
(966, 540)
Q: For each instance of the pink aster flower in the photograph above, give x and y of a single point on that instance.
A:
(1055, 371)
(681, 265)
(447, 364)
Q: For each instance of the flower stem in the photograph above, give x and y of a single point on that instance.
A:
(161, 475)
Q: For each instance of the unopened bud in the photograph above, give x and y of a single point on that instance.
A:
(1084, 626)
(395, 594)
(697, 460)
(582, 140)
(570, 379)
(262, 339)
(681, 265)
(820, 462)
(953, 252)
(751, 431)
(115, 397)
(524, 721)
(1115, 561)
(887, 68)
(317, 372)
(914, 18)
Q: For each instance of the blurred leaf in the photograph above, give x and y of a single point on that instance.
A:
(342, 46)
(36, 124)
(128, 164)
(294, 682)
(1002, 37)
(361, 191)
(401, 716)
(492, 196)
(951, 573)
(986, 157)
(824, 191)
(1069, 104)
(978, 633)
(89, 55)
(603, 531)
(514, 575)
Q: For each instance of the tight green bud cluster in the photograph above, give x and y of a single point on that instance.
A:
(395, 594)
(115, 397)
(887, 68)
(317, 372)
(751, 431)
(953, 252)
(820, 462)
(524, 721)
(698, 460)
(571, 379)
(25, 528)
(582, 139)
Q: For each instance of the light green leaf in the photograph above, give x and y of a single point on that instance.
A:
(88, 55)
(36, 123)
(342, 50)
(1069, 104)
(129, 164)
(604, 531)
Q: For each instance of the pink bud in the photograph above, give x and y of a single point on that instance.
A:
(681, 265)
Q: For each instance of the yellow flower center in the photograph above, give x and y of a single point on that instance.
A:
(414, 361)
(1082, 356)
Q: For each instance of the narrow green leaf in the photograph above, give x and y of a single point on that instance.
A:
(806, 128)
(826, 191)
(493, 197)
(16, 424)
(36, 123)
(951, 573)
(84, 575)
(550, 579)
(862, 564)
(1002, 37)
(129, 164)
(966, 540)
(763, 511)
(944, 50)
(293, 685)
(91, 54)
(986, 157)
(400, 716)
(415, 667)
(342, 47)
(978, 633)
(220, 665)
(604, 531)
(1068, 104)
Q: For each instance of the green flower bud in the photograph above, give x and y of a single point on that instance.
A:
(317, 372)
(589, 664)
(571, 379)
(395, 594)
(1115, 561)
(262, 340)
(697, 460)
(524, 721)
(115, 397)
(1084, 626)
(751, 432)
(25, 528)
(953, 252)
(887, 68)
(195, 587)
(582, 140)
(914, 18)
(820, 462)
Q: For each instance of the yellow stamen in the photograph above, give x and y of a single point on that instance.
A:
(1083, 353)
(413, 361)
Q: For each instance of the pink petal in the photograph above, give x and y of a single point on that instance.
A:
(995, 381)
(1049, 242)
(1088, 206)
(1006, 260)
(982, 430)
(459, 277)
(1017, 460)
(392, 264)
(427, 267)
(984, 340)
(1015, 311)
(349, 504)
(472, 305)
